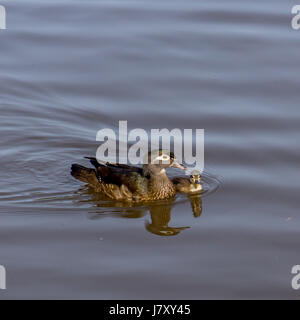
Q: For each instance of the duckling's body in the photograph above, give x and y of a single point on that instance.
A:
(188, 185)
(126, 183)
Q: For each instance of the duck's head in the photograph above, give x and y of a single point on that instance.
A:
(160, 160)
(195, 178)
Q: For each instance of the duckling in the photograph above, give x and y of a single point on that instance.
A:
(126, 183)
(188, 185)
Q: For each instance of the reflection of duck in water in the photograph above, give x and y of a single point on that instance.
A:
(160, 212)
(160, 217)
(126, 183)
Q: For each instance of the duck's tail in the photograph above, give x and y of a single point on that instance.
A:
(84, 174)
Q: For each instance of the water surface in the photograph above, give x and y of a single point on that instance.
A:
(70, 68)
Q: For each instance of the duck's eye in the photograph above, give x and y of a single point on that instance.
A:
(163, 157)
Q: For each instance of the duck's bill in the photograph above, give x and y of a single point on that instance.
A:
(178, 166)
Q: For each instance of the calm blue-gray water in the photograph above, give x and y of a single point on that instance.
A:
(70, 68)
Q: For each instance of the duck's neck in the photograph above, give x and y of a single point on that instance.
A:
(160, 186)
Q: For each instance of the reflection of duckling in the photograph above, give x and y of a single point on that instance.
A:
(196, 203)
(188, 185)
(161, 216)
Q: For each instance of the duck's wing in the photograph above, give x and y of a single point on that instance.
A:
(122, 176)
(125, 167)
(93, 161)
(119, 168)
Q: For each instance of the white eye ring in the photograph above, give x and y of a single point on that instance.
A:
(163, 157)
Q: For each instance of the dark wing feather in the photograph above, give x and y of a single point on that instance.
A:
(119, 168)
(93, 161)
(119, 174)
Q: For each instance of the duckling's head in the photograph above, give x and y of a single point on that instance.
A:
(195, 178)
(160, 160)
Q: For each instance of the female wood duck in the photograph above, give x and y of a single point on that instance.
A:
(128, 183)
(188, 185)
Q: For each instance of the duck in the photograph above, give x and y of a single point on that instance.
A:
(129, 183)
(188, 185)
